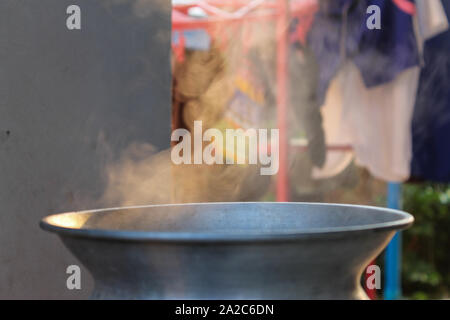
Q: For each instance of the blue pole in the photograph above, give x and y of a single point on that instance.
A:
(392, 286)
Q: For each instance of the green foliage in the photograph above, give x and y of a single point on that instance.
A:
(426, 245)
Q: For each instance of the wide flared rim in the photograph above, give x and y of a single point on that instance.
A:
(50, 223)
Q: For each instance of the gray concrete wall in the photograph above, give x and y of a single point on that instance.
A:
(68, 101)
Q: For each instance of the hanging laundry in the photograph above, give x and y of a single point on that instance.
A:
(339, 32)
(377, 83)
(431, 18)
(431, 119)
(379, 119)
(306, 117)
(337, 133)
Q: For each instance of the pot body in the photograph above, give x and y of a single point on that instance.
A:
(328, 268)
(248, 256)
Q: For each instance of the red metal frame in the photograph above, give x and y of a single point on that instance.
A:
(282, 96)
(228, 12)
(234, 12)
(406, 6)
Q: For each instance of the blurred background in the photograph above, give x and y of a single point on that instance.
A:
(359, 90)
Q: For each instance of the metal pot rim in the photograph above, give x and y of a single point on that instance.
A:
(166, 236)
